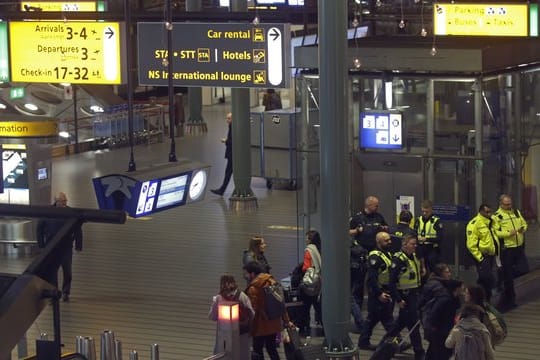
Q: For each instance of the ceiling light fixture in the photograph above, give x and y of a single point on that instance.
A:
(31, 107)
(3, 106)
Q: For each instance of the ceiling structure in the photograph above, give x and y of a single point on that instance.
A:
(388, 47)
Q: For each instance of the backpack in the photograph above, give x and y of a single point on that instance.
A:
(244, 317)
(274, 300)
(296, 276)
(471, 346)
(495, 324)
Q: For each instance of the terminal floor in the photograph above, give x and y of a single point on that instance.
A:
(151, 280)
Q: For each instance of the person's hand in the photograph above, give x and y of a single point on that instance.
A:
(223, 140)
(359, 229)
(521, 230)
(385, 297)
(402, 304)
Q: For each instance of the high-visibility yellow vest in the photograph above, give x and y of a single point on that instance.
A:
(410, 278)
(384, 276)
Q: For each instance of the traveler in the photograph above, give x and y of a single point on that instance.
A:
(438, 305)
(511, 226)
(228, 291)
(483, 244)
(430, 235)
(470, 338)
(312, 258)
(271, 100)
(380, 303)
(263, 330)
(255, 252)
(46, 230)
(228, 155)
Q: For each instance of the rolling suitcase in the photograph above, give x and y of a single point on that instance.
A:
(390, 346)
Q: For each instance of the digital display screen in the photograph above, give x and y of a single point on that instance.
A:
(42, 174)
(381, 130)
(271, 2)
(15, 174)
(296, 2)
(147, 197)
(172, 191)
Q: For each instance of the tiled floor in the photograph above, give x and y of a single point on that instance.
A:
(151, 280)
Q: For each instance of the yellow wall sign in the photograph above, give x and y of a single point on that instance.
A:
(22, 129)
(497, 19)
(58, 51)
(58, 6)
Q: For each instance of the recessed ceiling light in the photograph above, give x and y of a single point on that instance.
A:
(3, 106)
(63, 134)
(96, 108)
(31, 107)
(65, 84)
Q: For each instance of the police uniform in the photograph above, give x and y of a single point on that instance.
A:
(483, 244)
(429, 249)
(513, 249)
(398, 233)
(371, 224)
(378, 276)
(404, 284)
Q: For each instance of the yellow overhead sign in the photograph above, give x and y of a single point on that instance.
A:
(58, 51)
(58, 6)
(495, 19)
(21, 129)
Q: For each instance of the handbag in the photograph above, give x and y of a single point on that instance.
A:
(311, 282)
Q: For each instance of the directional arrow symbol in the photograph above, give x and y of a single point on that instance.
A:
(274, 34)
(109, 32)
(395, 138)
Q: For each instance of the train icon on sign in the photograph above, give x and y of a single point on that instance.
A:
(203, 55)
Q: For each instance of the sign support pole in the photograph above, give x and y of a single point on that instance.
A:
(129, 63)
(169, 28)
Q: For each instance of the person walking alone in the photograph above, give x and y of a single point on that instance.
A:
(46, 230)
(228, 155)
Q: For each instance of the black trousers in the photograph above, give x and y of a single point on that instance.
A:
(430, 254)
(268, 341)
(408, 316)
(509, 259)
(227, 178)
(486, 278)
(377, 311)
(358, 279)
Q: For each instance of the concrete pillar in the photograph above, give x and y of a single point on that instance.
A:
(333, 70)
(195, 124)
(242, 197)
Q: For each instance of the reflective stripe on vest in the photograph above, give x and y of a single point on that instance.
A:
(383, 277)
(410, 278)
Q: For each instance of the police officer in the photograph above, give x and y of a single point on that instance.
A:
(430, 235)
(380, 304)
(402, 228)
(362, 228)
(483, 244)
(404, 285)
(510, 226)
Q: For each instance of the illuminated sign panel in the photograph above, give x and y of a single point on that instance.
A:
(74, 52)
(381, 130)
(230, 55)
(15, 174)
(58, 6)
(4, 53)
(21, 129)
(497, 19)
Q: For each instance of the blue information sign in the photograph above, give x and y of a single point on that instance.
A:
(381, 130)
(450, 212)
